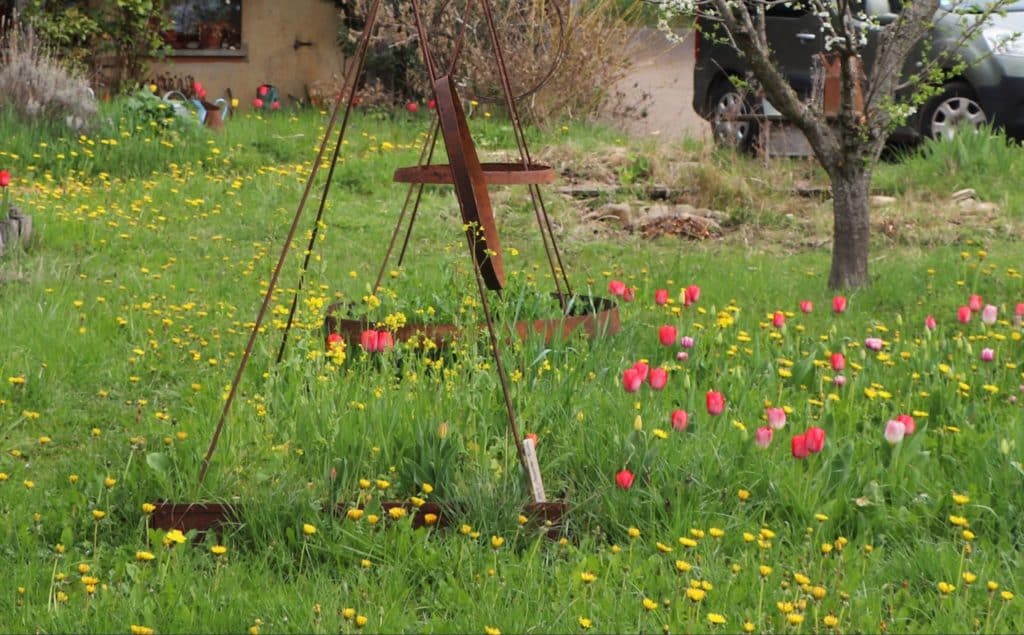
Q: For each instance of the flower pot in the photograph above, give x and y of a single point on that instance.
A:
(186, 517)
(214, 119)
(548, 514)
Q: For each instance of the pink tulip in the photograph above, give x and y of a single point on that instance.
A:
(616, 287)
(894, 431)
(682, 356)
(838, 362)
(839, 380)
(368, 340)
(929, 323)
(624, 479)
(629, 294)
(632, 380)
(686, 341)
(839, 304)
(908, 423)
(798, 446)
(815, 439)
(680, 420)
(1018, 314)
(989, 314)
(806, 306)
(776, 418)
(715, 402)
(658, 378)
(778, 319)
(661, 297)
(667, 335)
(1018, 310)
(963, 314)
(763, 437)
(385, 341)
(691, 295)
(873, 343)
(974, 303)
(641, 368)
(987, 354)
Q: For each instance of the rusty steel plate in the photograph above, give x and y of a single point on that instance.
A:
(470, 185)
(494, 174)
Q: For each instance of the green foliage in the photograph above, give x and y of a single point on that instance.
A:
(83, 34)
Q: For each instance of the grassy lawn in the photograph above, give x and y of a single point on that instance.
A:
(124, 321)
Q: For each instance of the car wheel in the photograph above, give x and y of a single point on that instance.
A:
(954, 109)
(727, 107)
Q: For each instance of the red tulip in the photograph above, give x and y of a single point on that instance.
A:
(908, 423)
(262, 91)
(661, 297)
(680, 420)
(532, 437)
(839, 304)
(197, 88)
(691, 295)
(658, 378)
(616, 287)
(333, 340)
(385, 341)
(201, 93)
(432, 104)
(798, 445)
(667, 335)
(275, 105)
(257, 103)
(631, 380)
(838, 362)
(929, 323)
(624, 479)
(369, 341)
(628, 294)
(778, 319)
(974, 302)
(815, 439)
(1018, 310)
(641, 368)
(763, 436)
(806, 306)
(5, 178)
(412, 107)
(1018, 314)
(963, 314)
(715, 402)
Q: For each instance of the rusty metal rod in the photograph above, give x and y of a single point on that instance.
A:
(371, 16)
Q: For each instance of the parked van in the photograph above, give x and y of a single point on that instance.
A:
(990, 88)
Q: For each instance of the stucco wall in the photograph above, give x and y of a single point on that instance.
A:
(269, 30)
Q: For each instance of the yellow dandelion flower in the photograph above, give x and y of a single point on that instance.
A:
(946, 588)
(650, 604)
(218, 550)
(144, 556)
(818, 592)
(98, 514)
(365, 563)
(715, 532)
(372, 519)
(992, 585)
(585, 622)
(959, 521)
(663, 548)
(497, 542)
(683, 566)
(588, 577)
(137, 629)
(743, 495)
(696, 595)
(173, 537)
(830, 621)
(490, 630)
(430, 519)
(687, 542)
(348, 613)
(354, 514)
(795, 619)
(396, 513)
(764, 570)
(1006, 596)
(969, 577)
(968, 535)
(361, 621)
(148, 508)
(308, 529)
(633, 532)
(749, 627)
(109, 482)
(717, 619)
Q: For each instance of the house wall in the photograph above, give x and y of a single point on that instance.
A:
(269, 31)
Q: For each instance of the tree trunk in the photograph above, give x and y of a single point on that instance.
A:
(851, 228)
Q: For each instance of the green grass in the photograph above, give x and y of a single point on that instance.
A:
(125, 320)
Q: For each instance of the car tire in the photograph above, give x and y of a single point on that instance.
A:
(725, 103)
(955, 108)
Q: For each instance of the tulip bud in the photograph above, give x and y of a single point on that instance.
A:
(658, 378)
(839, 304)
(963, 314)
(838, 362)
(815, 439)
(661, 297)
(894, 431)
(929, 323)
(776, 418)
(763, 437)
(680, 420)
(624, 479)
(974, 303)
(631, 380)
(778, 319)
(715, 402)
(798, 446)
(989, 314)
(806, 306)
(667, 335)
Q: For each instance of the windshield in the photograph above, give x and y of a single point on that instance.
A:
(977, 6)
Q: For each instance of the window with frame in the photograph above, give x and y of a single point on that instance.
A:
(204, 25)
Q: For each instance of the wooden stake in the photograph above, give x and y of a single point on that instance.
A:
(533, 472)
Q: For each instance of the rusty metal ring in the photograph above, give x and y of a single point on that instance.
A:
(470, 184)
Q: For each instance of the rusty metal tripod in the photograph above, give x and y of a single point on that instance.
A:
(470, 179)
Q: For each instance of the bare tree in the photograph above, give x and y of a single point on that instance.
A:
(849, 144)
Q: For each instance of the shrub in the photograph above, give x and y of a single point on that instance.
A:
(37, 85)
(561, 60)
